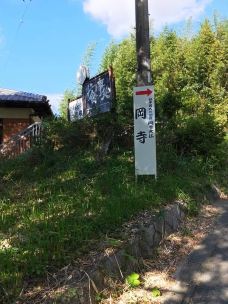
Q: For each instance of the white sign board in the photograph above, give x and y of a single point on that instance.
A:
(76, 109)
(144, 131)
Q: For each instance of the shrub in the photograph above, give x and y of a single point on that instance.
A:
(199, 135)
(59, 133)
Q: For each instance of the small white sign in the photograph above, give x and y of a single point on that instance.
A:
(144, 131)
(76, 109)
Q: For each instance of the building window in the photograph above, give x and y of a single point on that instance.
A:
(1, 131)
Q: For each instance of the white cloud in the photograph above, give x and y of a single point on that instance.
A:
(119, 15)
(54, 100)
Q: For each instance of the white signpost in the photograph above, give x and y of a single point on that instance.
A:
(144, 131)
(76, 109)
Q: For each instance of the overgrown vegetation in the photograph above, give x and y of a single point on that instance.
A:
(56, 204)
(59, 199)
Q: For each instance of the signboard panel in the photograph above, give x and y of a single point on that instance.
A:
(76, 109)
(144, 131)
(98, 94)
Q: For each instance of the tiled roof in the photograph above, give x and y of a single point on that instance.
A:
(11, 95)
(39, 103)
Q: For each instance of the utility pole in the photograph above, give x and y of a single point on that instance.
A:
(143, 76)
(143, 98)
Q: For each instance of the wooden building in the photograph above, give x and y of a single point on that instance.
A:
(19, 110)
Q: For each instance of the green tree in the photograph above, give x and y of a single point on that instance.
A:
(189, 72)
(124, 66)
(109, 56)
(167, 64)
(63, 106)
(123, 59)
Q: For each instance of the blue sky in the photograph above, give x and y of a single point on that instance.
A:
(42, 42)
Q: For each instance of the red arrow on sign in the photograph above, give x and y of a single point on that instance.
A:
(146, 92)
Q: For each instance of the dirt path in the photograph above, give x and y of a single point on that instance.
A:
(166, 270)
(203, 277)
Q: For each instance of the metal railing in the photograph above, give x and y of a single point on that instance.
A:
(22, 141)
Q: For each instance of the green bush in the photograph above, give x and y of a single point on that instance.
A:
(59, 133)
(199, 135)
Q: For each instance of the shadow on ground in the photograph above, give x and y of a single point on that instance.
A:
(203, 277)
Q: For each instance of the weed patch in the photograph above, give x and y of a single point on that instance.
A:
(56, 210)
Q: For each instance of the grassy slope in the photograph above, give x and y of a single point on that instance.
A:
(53, 211)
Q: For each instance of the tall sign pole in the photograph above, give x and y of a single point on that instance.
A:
(144, 106)
(142, 43)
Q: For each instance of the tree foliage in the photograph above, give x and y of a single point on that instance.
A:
(190, 76)
(63, 106)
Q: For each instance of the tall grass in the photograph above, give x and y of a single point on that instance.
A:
(54, 209)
